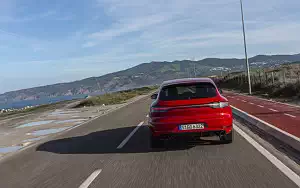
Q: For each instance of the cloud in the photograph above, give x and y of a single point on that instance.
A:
(9, 9)
(14, 19)
(65, 18)
(37, 48)
(157, 19)
(47, 14)
(284, 33)
(123, 27)
(275, 34)
(34, 44)
(116, 34)
(89, 44)
(10, 34)
(143, 15)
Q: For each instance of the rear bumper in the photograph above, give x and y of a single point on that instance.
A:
(212, 126)
(201, 133)
(168, 135)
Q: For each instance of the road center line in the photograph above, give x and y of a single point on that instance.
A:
(90, 179)
(129, 136)
(273, 110)
(289, 115)
(260, 106)
(282, 167)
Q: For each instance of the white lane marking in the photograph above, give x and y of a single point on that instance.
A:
(289, 115)
(276, 162)
(273, 110)
(244, 101)
(129, 136)
(90, 179)
(251, 103)
(260, 106)
(272, 126)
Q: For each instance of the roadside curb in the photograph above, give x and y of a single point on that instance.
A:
(286, 138)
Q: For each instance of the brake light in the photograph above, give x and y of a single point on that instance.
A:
(211, 105)
(218, 104)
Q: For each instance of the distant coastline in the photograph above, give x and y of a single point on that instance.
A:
(37, 102)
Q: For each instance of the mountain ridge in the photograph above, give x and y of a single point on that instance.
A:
(145, 74)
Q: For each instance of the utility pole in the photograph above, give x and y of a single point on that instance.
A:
(188, 72)
(194, 67)
(245, 46)
(98, 84)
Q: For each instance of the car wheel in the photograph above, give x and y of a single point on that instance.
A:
(156, 142)
(227, 138)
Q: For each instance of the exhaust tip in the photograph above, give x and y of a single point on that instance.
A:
(222, 135)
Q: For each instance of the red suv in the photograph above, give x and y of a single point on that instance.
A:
(192, 106)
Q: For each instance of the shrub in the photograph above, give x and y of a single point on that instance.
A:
(115, 98)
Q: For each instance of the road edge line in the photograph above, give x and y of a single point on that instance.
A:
(274, 160)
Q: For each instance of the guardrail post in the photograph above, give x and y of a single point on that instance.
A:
(260, 80)
(284, 80)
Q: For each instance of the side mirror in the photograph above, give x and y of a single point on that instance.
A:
(154, 96)
(220, 91)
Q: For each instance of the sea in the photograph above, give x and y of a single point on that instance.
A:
(41, 101)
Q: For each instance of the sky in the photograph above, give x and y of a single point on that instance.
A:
(44, 42)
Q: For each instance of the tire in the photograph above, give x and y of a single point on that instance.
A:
(228, 138)
(156, 142)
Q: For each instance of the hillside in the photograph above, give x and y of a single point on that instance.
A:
(146, 74)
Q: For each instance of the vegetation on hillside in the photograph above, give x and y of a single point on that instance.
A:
(115, 98)
(290, 90)
(280, 82)
(146, 74)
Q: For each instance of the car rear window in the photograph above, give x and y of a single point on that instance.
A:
(187, 91)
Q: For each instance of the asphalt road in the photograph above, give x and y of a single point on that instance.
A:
(89, 154)
(283, 116)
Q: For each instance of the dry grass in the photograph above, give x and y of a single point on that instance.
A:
(115, 98)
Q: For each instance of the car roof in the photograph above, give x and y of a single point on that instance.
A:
(188, 80)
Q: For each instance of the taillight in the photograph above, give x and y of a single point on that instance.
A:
(218, 104)
(211, 105)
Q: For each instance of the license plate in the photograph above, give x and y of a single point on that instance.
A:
(191, 126)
